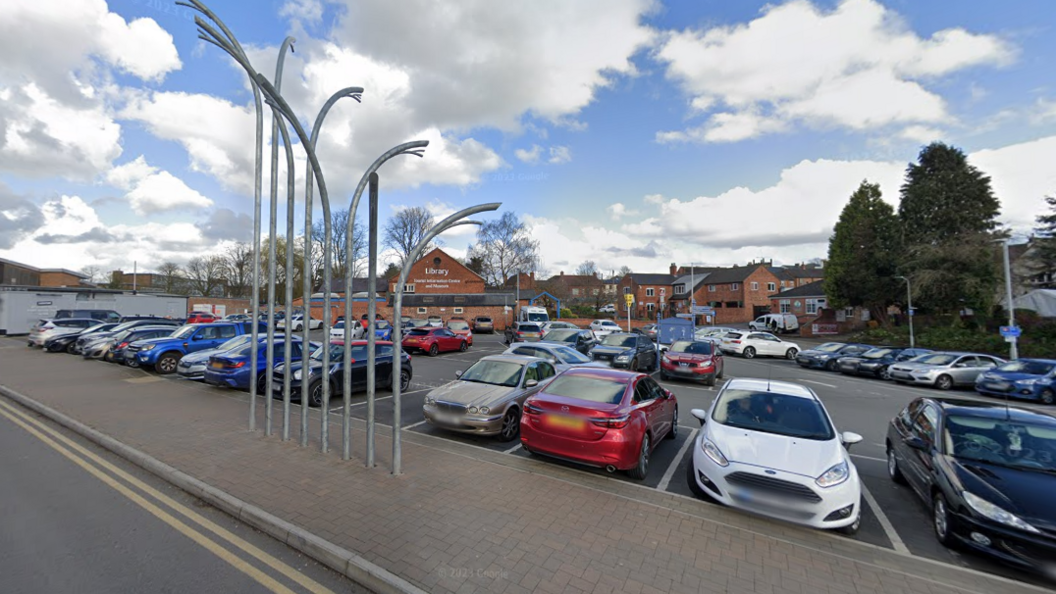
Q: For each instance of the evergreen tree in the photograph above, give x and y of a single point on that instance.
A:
(1044, 253)
(863, 254)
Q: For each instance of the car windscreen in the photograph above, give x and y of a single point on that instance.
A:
(499, 373)
(538, 317)
(414, 323)
(339, 325)
(483, 320)
(381, 325)
(690, 347)
(773, 412)
(938, 359)
(417, 332)
(877, 353)
(1014, 443)
(619, 340)
(571, 356)
(1029, 367)
(594, 389)
(561, 335)
(186, 331)
(234, 342)
(457, 326)
(830, 347)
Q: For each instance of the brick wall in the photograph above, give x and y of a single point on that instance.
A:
(438, 272)
(59, 279)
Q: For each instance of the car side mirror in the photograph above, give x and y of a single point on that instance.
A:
(700, 414)
(916, 443)
(458, 373)
(848, 438)
(197, 337)
(667, 394)
(531, 383)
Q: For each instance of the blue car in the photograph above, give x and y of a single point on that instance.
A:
(233, 369)
(193, 366)
(1031, 379)
(826, 355)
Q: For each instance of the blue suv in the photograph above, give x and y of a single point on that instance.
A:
(1032, 379)
(164, 354)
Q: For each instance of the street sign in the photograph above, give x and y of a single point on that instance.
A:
(702, 310)
(629, 297)
(1010, 331)
(686, 316)
(911, 311)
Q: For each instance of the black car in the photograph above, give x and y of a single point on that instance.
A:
(986, 470)
(119, 345)
(825, 356)
(874, 363)
(581, 340)
(383, 371)
(625, 349)
(84, 339)
(66, 342)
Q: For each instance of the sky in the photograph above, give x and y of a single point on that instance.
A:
(625, 132)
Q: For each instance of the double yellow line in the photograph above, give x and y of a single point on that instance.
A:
(81, 457)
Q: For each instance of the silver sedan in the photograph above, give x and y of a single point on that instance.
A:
(943, 370)
(561, 356)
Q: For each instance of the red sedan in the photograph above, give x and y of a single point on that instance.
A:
(694, 360)
(433, 341)
(201, 317)
(600, 417)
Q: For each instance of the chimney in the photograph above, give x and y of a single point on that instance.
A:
(562, 273)
(673, 269)
(531, 275)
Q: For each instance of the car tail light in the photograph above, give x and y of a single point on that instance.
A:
(235, 366)
(122, 345)
(612, 422)
(735, 341)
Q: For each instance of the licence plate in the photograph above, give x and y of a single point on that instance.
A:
(446, 419)
(216, 365)
(565, 422)
(683, 364)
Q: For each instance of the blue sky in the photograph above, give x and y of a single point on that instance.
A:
(627, 132)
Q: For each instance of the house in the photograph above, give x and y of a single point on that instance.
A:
(805, 302)
(650, 294)
(576, 288)
(737, 294)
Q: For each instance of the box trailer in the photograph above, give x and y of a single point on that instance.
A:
(21, 307)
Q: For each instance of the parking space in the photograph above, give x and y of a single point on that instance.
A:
(893, 517)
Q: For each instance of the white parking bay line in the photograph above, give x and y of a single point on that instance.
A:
(896, 540)
(666, 480)
(868, 458)
(512, 450)
(819, 383)
(422, 422)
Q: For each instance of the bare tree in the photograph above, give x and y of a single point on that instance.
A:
(171, 275)
(587, 268)
(206, 275)
(95, 274)
(506, 248)
(238, 264)
(406, 229)
(339, 245)
(624, 271)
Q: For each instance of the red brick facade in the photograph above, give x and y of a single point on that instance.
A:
(437, 272)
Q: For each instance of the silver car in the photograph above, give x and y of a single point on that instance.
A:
(487, 398)
(192, 366)
(560, 355)
(944, 370)
(45, 329)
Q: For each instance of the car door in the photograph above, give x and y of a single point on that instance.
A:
(964, 370)
(665, 416)
(644, 400)
(646, 352)
(920, 463)
(452, 340)
(382, 362)
(761, 343)
(359, 367)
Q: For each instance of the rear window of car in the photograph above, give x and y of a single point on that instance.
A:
(485, 320)
(418, 332)
(733, 335)
(594, 389)
(529, 328)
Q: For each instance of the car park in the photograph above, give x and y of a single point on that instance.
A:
(602, 328)
(825, 356)
(1028, 379)
(605, 418)
(46, 329)
(461, 328)
(201, 317)
(487, 399)
(559, 355)
(100, 315)
(777, 323)
(85, 339)
(358, 371)
(581, 340)
(696, 360)
(163, 354)
(876, 362)
(770, 447)
(66, 342)
(608, 308)
(119, 351)
(986, 471)
(433, 341)
(944, 370)
(233, 368)
(192, 366)
(483, 325)
(629, 350)
(103, 347)
(750, 344)
(650, 330)
(522, 332)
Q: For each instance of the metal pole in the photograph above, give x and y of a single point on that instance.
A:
(1013, 348)
(286, 377)
(372, 308)
(397, 355)
(909, 310)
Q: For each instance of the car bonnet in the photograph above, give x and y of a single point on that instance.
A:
(806, 457)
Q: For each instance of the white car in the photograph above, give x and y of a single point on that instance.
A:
(712, 334)
(297, 323)
(561, 356)
(750, 344)
(610, 308)
(770, 448)
(338, 332)
(46, 329)
(558, 325)
(602, 328)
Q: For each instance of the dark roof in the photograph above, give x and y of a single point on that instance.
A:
(781, 273)
(808, 272)
(337, 285)
(648, 278)
(457, 300)
(814, 289)
(735, 274)
(698, 280)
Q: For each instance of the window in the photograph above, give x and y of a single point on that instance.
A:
(771, 287)
(924, 424)
(423, 310)
(532, 373)
(546, 371)
(680, 289)
(597, 291)
(734, 304)
(575, 291)
(626, 290)
(812, 306)
(408, 288)
(711, 288)
(642, 393)
(755, 286)
(458, 310)
(428, 299)
(227, 332)
(649, 292)
(460, 299)
(650, 306)
(785, 306)
(735, 286)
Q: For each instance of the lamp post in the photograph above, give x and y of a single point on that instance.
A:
(909, 310)
(1013, 347)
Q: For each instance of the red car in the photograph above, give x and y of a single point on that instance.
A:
(606, 418)
(461, 328)
(201, 317)
(692, 359)
(433, 340)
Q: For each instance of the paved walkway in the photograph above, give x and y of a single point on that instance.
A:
(462, 519)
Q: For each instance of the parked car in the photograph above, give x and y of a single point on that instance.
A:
(383, 369)
(559, 355)
(558, 325)
(522, 332)
(414, 323)
(119, 352)
(487, 398)
(943, 370)
(632, 351)
(650, 330)
(103, 347)
(986, 470)
(697, 360)
(713, 334)
(383, 330)
(1030, 379)
(581, 340)
(84, 340)
(233, 369)
(461, 328)
(45, 329)
(339, 331)
(601, 328)
(770, 447)
(435, 321)
(609, 308)
(606, 418)
(101, 315)
(750, 344)
(192, 366)
(238, 318)
(201, 317)
(433, 341)
(297, 321)
(66, 342)
(876, 362)
(163, 354)
(826, 355)
(483, 325)
(777, 323)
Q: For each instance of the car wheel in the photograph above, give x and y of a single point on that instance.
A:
(722, 370)
(642, 468)
(893, 471)
(673, 433)
(133, 362)
(749, 353)
(940, 520)
(710, 382)
(108, 357)
(663, 375)
(167, 363)
(634, 365)
(465, 345)
(830, 365)
(315, 395)
(884, 373)
(944, 382)
(791, 353)
(1047, 396)
(262, 383)
(852, 529)
(434, 350)
(71, 348)
(511, 424)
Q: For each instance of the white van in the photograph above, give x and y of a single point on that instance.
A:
(785, 323)
(533, 314)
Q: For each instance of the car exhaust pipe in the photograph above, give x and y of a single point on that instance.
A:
(610, 469)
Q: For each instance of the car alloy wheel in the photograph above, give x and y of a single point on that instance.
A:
(511, 425)
(642, 468)
(1047, 396)
(749, 353)
(893, 471)
(634, 364)
(133, 362)
(884, 373)
(790, 354)
(830, 365)
(941, 520)
(434, 350)
(167, 363)
(944, 382)
(71, 348)
(465, 345)
(673, 433)
(315, 397)
(262, 383)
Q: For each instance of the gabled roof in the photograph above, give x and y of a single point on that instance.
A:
(648, 278)
(814, 289)
(808, 272)
(698, 279)
(337, 285)
(781, 273)
(735, 274)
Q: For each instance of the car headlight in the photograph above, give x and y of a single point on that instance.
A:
(1027, 382)
(623, 358)
(995, 513)
(484, 410)
(430, 401)
(472, 410)
(147, 347)
(667, 359)
(834, 476)
(712, 451)
(297, 373)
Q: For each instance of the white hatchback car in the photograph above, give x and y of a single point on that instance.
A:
(750, 344)
(712, 334)
(770, 448)
(604, 328)
(338, 332)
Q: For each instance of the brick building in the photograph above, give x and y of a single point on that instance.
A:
(16, 273)
(805, 302)
(585, 289)
(649, 290)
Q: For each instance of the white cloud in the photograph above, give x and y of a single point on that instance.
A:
(529, 156)
(151, 191)
(618, 210)
(921, 134)
(654, 199)
(559, 155)
(305, 10)
(797, 64)
(1021, 175)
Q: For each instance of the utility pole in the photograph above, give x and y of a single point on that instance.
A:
(1013, 348)
(909, 310)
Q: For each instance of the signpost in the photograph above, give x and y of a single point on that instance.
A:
(1011, 333)
(629, 297)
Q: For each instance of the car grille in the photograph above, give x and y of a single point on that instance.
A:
(773, 485)
(132, 349)
(451, 407)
